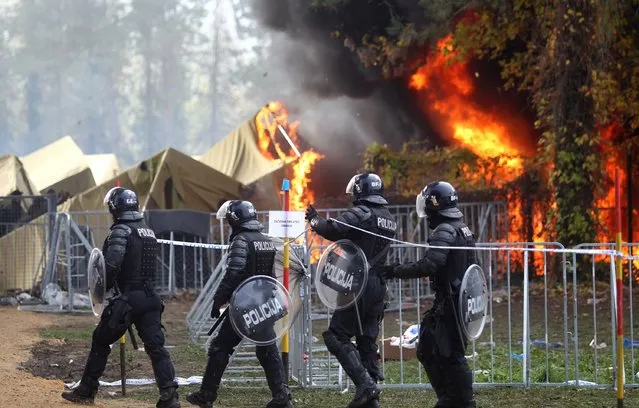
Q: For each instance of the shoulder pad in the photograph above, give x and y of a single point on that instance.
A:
(120, 230)
(359, 213)
(240, 241)
(444, 232)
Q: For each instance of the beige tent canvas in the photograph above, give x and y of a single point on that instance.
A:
(61, 166)
(239, 157)
(14, 177)
(103, 167)
(168, 180)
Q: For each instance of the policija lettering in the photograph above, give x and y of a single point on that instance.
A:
(272, 308)
(475, 308)
(338, 276)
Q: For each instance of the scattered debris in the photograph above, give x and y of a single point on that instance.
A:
(599, 346)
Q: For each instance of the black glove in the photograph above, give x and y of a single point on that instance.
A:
(387, 271)
(311, 213)
(215, 310)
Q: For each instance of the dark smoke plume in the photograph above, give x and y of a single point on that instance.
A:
(342, 106)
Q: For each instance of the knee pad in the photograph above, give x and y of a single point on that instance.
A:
(333, 344)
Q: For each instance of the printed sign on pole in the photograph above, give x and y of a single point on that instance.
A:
(286, 224)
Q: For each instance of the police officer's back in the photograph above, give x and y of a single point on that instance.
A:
(441, 350)
(250, 253)
(130, 256)
(369, 224)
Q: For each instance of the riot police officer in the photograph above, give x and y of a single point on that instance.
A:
(130, 256)
(441, 348)
(250, 253)
(369, 213)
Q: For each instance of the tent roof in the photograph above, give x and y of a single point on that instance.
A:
(103, 166)
(168, 180)
(238, 155)
(57, 162)
(14, 177)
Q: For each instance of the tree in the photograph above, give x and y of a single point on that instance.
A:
(567, 55)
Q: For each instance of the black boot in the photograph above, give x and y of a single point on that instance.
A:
(169, 398)
(203, 399)
(81, 395)
(367, 390)
(459, 381)
(271, 362)
(215, 366)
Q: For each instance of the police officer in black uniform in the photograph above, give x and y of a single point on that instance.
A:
(250, 253)
(369, 213)
(441, 348)
(130, 256)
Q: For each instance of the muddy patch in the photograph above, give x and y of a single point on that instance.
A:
(64, 359)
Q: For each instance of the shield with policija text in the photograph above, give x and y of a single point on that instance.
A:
(260, 310)
(473, 302)
(96, 272)
(341, 274)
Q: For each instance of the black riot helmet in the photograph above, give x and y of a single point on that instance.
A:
(240, 214)
(438, 199)
(367, 187)
(123, 204)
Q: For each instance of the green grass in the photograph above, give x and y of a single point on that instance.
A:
(67, 333)
(409, 398)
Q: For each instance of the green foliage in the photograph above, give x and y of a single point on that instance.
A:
(577, 60)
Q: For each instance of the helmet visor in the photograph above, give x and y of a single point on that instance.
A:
(108, 195)
(221, 213)
(350, 188)
(420, 205)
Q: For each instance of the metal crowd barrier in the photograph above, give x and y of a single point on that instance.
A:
(541, 328)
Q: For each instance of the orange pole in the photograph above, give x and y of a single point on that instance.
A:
(621, 374)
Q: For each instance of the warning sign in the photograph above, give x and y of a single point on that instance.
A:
(286, 224)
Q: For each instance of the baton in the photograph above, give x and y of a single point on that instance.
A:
(218, 321)
(459, 331)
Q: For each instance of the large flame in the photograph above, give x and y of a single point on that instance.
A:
(446, 87)
(272, 121)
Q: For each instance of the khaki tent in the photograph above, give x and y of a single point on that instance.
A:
(60, 166)
(239, 157)
(103, 167)
(168, 180)
(13, 177)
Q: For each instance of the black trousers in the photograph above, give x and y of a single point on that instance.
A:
(146, 314)
(222, 347)
(442, 355)
(345, 325)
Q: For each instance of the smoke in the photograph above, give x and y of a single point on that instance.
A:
(342, 106)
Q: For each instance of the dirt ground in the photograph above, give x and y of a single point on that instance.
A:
(20, 332)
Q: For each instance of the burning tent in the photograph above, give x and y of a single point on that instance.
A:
(168, 180)
(263, 151)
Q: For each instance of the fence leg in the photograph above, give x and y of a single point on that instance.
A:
(526, 323)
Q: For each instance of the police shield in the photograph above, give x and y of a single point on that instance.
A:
(473, 301)
(259, 310)
(341, 274)
(97, 281)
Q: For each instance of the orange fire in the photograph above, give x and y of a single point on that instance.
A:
(447, 85)
(447, 88)
(271, 123)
